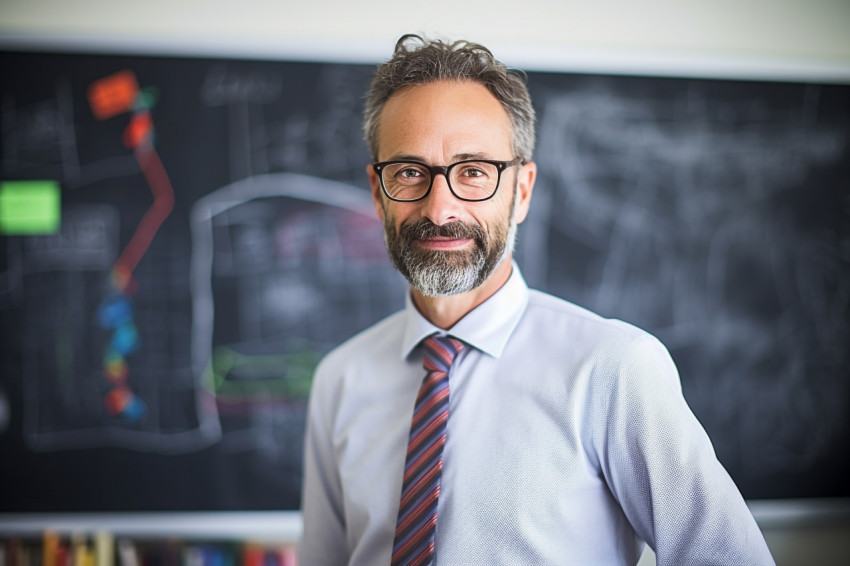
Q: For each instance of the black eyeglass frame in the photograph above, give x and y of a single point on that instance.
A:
(444, 170)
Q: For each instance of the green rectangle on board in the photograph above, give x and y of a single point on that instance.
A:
(29, 208)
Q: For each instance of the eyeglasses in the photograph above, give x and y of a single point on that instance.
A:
(469, 180)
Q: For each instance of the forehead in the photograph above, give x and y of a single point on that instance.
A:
(444, 118)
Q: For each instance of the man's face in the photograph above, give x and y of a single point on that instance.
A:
(441, 244)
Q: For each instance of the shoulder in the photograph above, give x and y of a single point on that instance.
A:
(377, 339)
(555, 317)
(359, 354)
(611, 350)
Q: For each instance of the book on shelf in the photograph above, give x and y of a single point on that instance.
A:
(104, 549)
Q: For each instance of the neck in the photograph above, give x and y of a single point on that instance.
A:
(445, 312)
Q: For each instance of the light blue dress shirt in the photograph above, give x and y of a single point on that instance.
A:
(569, 442)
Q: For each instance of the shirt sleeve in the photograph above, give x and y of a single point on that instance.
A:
(323, 542)
(661, 467)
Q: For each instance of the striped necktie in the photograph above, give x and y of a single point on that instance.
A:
(413, 544)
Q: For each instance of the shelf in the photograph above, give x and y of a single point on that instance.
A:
(258, 526)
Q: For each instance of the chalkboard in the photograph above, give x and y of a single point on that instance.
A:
(181, 239)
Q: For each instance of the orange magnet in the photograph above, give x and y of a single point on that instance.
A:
(113, 95)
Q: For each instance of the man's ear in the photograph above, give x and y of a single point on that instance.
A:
(377, 194)
(526, 175)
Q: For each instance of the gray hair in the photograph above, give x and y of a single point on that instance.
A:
(417, 61)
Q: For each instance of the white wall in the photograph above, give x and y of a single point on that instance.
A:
(785, 39)
(698, 37)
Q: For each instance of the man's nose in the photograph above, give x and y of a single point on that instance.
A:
(441, 206)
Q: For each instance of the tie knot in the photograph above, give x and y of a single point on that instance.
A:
(441, 350)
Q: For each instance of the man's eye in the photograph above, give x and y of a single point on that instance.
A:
(409, 173)
(474, 172)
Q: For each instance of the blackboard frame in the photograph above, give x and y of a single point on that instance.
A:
(836, 79)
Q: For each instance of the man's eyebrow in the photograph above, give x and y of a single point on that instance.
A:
(455, 158)
(467, 156)
(406, 157)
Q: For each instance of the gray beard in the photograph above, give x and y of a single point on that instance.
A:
(443, 273)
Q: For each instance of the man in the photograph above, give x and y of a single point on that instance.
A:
(538, 432)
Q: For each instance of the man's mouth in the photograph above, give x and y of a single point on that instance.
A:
(444, 243)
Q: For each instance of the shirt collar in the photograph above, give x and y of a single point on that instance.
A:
(487, 327)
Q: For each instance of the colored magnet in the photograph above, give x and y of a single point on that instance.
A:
(29, 208)
(113, 95)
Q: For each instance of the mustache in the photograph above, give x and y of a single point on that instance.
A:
(424, 228)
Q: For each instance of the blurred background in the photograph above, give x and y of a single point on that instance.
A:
(185, 229)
